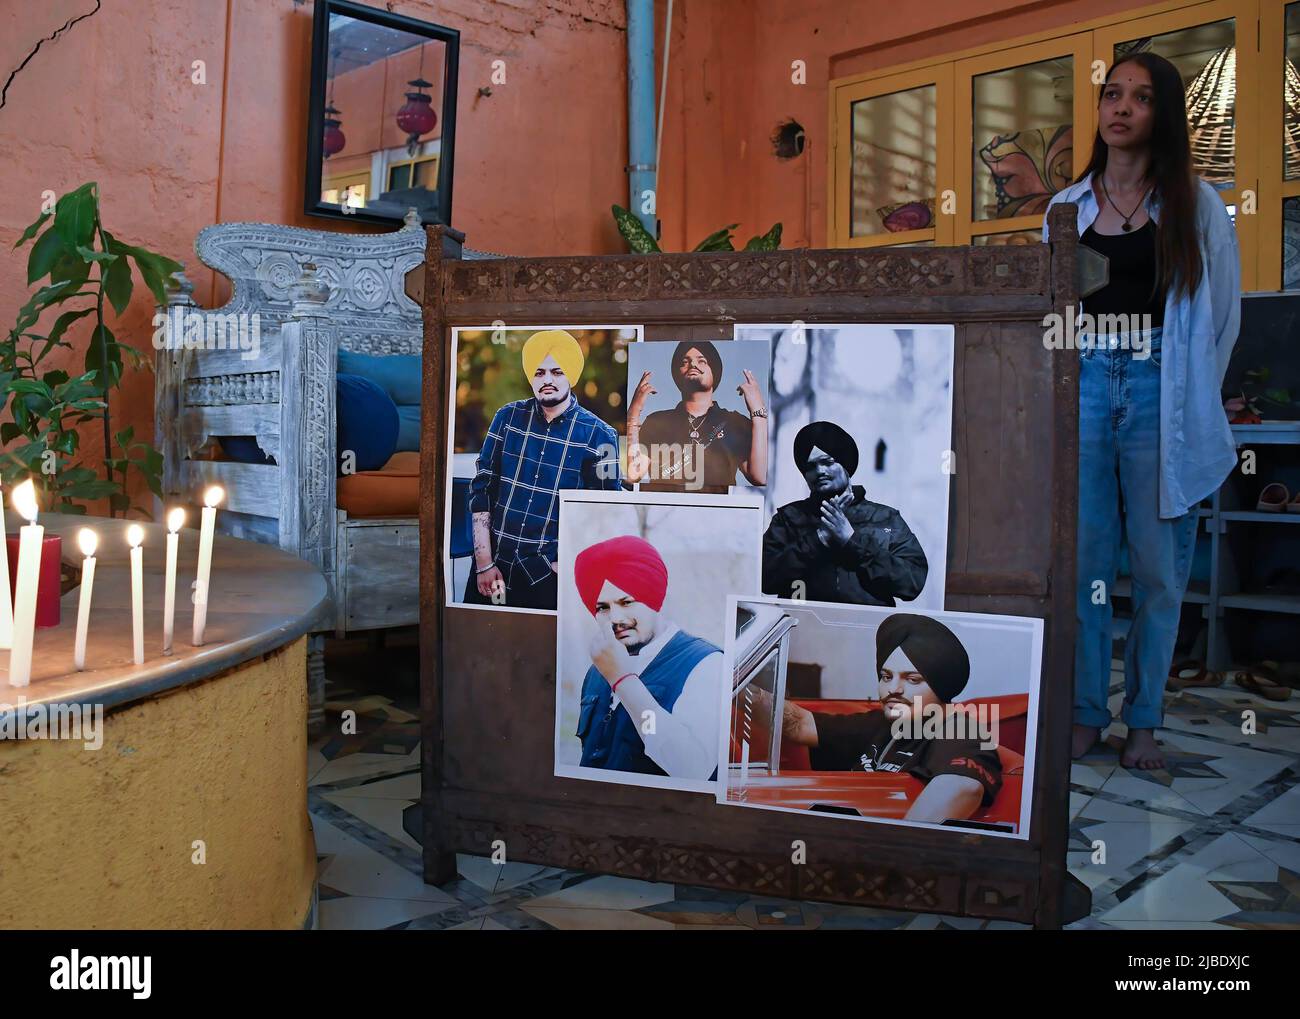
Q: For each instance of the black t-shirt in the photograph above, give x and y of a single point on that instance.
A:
(721, 447)
(863, 742)
(1128, 291)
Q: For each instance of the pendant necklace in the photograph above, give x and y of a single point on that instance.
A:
(694, 424)
(1125, 226)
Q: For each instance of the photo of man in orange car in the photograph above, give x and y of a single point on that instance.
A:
(920, 663)
(861, 711)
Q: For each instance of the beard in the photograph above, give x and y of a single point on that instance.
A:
(552, 399)
(688, 384)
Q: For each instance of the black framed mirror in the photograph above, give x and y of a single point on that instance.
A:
(381, 128)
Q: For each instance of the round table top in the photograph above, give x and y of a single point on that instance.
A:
(260, 598)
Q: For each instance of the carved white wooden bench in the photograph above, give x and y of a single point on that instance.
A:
(299, 297)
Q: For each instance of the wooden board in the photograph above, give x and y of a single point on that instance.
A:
(487, 678)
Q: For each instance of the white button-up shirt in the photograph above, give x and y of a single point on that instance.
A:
(1196, 447)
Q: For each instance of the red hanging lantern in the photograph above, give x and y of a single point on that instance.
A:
(416, 117)
(332, 139)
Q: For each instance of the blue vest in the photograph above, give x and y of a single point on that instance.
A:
(613, 740)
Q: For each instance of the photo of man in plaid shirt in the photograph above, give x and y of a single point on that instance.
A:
(533, 449)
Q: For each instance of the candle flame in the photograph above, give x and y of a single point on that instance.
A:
(23, 500)
(88, 541)
(134, 535)
(175, 518)
(213, 496)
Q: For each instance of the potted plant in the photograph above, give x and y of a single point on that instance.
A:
(642, 242)
(80, 267)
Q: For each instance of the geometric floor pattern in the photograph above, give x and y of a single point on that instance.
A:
(1212, 841)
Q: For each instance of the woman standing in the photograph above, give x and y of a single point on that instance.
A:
(1153, 437)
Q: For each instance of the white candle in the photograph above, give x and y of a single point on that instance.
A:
(6, 599)
(88, 541)
(135, 535)
(211, 498)
(23, 500)
(174, 520)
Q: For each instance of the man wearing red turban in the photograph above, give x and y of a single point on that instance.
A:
(650, 699)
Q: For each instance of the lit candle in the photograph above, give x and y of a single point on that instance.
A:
(6, 599)
(88, 541)
(23, 500)
(174, 520)
(211, 498)
(135, 535)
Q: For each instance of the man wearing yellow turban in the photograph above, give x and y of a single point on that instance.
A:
(533, 449)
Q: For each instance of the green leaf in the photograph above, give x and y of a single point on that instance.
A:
(154, 269)
(118, 284)
(769, 241)
(45, 252)
(719, 240)
(61, 325)
(91, 255)
(104, 357)
(125, 436)
(638, 238)
(75, 214)
(30, 232)
(72, 269)
(32, 386)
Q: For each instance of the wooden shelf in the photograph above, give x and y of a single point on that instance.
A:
(1289, 603)
(1269, 433)
(1255, 516)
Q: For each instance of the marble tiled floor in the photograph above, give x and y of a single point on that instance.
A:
(1212, 841)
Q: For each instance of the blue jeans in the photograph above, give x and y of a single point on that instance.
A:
(1119, 452)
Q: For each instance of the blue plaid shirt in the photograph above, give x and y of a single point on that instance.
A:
(524, 463)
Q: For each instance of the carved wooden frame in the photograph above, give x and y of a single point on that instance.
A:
(487, 678)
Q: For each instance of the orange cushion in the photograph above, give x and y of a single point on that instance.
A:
(392, 491)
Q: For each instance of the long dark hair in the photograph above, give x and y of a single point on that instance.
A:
(1178, 251)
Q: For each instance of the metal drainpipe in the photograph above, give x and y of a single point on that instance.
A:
(641, 111)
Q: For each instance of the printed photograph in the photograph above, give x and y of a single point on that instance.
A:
(861, 437)
(881, 715)
(643, 615)
(697, 415)
(537, 411)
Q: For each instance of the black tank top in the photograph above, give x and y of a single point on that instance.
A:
(1132, 274)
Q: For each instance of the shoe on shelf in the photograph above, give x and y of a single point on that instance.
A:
(1274, 499)
(1294, 505)
(1192, 672)
(1262, 680)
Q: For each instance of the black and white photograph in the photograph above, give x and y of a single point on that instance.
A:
(537, 411)
(923, 718)
(642, 621)
(860, 461)
(698, 416)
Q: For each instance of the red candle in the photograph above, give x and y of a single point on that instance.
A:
(48, 590)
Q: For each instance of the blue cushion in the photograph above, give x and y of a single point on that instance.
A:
(398, 375)
(367, 422)
(243, 449)
(408, 429)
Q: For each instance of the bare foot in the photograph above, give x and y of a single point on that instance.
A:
(1083, 739)
(1141, 750)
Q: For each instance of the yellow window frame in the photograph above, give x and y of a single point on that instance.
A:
(1077, 47)
(1258, 122)
(841, 171)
